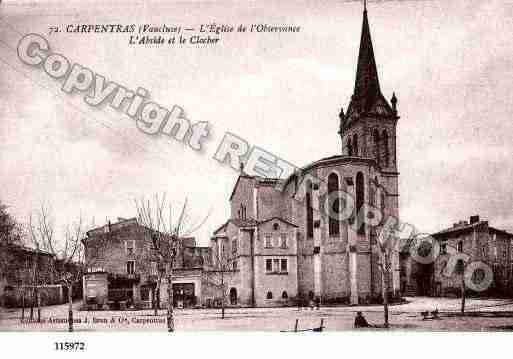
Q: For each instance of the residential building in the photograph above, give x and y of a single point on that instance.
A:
(23, 269)
(124, 267)
(465, 243)
(260, 258)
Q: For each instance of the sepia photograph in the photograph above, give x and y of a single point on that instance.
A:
(255, 166)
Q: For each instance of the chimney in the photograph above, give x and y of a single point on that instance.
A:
(474, 219)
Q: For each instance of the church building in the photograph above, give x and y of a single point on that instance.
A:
(281, 245)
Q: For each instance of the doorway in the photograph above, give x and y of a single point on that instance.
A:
(233, 296)
(183, 295)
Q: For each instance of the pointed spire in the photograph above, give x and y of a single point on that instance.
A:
(366, 88)
(367, 99)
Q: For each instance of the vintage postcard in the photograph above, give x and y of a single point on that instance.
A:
(255, 166)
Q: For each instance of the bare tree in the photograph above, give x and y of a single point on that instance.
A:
(72, 260)
(217, 276)
(69, 264)
(385, 266)
(385, 246)
(165, 234)
(41, 234)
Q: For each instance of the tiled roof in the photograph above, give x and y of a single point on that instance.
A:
(458, 228)
(239, 223)
(22, 248)
(250, 222)
(244, 222)
(463, 227)
(279, 219)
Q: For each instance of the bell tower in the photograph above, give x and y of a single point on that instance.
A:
(368, 128)
(368, 134)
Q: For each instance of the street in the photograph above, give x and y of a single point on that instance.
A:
(489, 314)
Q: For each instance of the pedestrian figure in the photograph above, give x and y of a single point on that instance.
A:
(317, 302)
(360, 321)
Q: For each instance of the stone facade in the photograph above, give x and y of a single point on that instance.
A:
(478, 242)
(261, 259)
(332, 258)
(23, 268)
(123, 268)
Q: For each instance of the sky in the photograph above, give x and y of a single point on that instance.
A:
(449, 63)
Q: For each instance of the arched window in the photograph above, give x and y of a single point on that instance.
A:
(355, 144)
(309, 210)
(333, 212)
(360, 198)
(284, 295)
(375, 136)
(269, 295)
(349, 148)
(386, 153)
